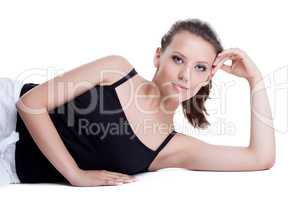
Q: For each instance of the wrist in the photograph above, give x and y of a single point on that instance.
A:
(253, 80)
(73, 175)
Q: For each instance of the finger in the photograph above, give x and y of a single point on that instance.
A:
(111, 182)
(222, 55)
(121, 179)
(114, 181)
(228, 56)
(219, 64)
(120, 174)
(125, 181)
(232, 58)
(227, 68)
(221, 58)
(235, 52)
(116, 177)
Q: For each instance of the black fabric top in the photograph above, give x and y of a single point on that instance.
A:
(96, 139)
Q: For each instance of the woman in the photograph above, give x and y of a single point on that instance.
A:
(66, 134)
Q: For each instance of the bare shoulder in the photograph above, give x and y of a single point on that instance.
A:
(118, 66)
(102, 70)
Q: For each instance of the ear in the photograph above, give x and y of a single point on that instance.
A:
(156, 58)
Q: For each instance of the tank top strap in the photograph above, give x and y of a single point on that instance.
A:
(165, 142)
(124, 78)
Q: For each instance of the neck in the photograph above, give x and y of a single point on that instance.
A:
(165, 107)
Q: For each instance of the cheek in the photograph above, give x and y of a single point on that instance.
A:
(195, 87)
(166, 77)
(193, 91)
(199, 78)
(169, 73)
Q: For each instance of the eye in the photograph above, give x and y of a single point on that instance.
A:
(176, 58)
(201, 67)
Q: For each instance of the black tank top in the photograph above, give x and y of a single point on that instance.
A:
(96, 139)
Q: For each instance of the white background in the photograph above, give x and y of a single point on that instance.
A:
(36, 36)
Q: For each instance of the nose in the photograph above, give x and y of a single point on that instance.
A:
(184, 75)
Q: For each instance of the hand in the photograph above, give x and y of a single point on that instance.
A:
(100, 177)
(242, 65)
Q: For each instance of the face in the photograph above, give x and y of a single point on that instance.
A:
(186, 62)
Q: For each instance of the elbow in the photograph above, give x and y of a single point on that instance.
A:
(20, 105)
(270, 163)
(266, 163)
(264, 159)
(29, 107)
(118, 60)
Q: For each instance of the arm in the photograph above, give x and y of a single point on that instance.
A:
(260, 154)
(262, 138)
(33, 107)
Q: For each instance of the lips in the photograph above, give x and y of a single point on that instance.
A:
(179, 87)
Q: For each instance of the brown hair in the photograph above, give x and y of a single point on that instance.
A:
(194, 109)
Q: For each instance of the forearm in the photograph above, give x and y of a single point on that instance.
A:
(49, 142)
(262, 139)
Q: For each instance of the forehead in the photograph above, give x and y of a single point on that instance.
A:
(192, 46)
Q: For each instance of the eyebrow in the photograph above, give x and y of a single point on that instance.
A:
(185, 58)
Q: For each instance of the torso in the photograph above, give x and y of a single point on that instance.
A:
(148, 126)
(86, 148)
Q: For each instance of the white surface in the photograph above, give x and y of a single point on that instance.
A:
(9, 95)
(172, 183)
(37, 35)
(280, 182)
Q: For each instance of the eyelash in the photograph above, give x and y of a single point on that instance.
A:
(202, 66)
